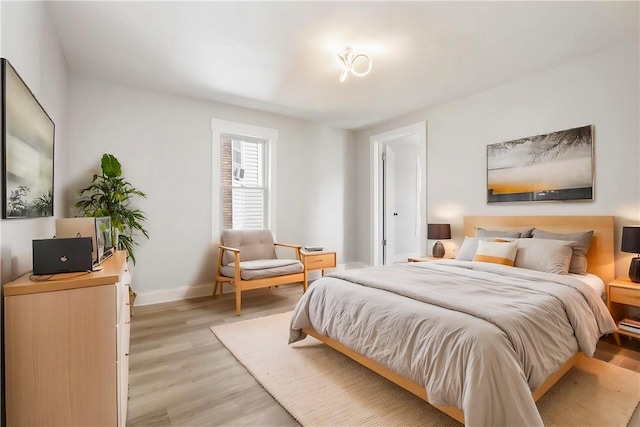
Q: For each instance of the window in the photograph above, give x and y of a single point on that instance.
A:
(243, 182)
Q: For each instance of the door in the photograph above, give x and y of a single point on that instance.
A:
(401, 199)
(389, 205)
(414, 135)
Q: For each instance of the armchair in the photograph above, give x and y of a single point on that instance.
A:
(248, 259)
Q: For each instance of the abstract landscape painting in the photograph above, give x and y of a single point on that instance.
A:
(553, 166)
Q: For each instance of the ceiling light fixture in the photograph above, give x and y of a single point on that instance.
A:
(348, 60)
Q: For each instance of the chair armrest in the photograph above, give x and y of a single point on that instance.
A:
(236, 255)
(227, 248)
(289, 245)
(296, 247)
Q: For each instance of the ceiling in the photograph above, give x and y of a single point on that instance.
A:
(280, 56)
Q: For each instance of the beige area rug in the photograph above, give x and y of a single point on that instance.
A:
(320, 387)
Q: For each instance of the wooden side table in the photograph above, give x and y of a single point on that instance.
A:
(622, 293)
(318, 260)
(423, 258)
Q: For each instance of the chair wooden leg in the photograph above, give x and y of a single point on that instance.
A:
(215, 289)
(238, 299)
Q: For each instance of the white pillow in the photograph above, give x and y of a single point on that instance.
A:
(548, 255)
(503, 253)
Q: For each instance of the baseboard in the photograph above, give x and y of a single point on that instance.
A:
(186, 292)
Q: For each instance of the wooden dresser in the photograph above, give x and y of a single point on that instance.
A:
(67, 347)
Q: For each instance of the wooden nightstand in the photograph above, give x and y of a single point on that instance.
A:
(424, 258)
(622, 293)
(318, 260)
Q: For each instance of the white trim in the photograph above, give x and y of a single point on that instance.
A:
(376, 142)
(184, 292)
(219, 127)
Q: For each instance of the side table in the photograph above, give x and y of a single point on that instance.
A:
(423, 258)
(318, 260)
(622, 293)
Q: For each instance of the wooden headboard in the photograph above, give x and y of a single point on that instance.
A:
(600, 258)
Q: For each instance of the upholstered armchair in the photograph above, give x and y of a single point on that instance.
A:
(248, 259)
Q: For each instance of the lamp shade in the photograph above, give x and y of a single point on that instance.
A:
(631, 243)
(438, 231)
(631, 239)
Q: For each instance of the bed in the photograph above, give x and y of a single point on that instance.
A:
(480, 341)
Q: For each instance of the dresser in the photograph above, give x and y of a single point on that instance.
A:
(67, 347)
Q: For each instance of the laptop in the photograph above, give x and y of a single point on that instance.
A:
(62, 255)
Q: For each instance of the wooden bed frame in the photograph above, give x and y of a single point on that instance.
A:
(600, 261)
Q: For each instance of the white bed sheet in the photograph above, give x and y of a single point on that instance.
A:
(593, 281)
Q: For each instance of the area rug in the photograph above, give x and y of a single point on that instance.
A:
(320, 387)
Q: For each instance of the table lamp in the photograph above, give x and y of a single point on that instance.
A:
(631, 243)
(437, 232)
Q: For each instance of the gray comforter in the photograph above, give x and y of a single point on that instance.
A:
(487, 336)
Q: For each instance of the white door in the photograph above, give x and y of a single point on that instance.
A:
(415, 135)
(401, 200)
(389, 205)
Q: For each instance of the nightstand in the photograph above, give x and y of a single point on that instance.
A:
(622, 293)
(423, 258)
(318, 260)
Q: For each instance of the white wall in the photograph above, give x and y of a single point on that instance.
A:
(30, 43)
(601, 90)
(165, 146)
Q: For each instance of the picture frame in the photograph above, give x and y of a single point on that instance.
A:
(28, 137)
(557, 166)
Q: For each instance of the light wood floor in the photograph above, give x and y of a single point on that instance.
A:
(180, 375)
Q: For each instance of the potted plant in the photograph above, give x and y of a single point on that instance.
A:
(110, 195)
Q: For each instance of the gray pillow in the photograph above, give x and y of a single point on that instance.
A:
(580, 248)
(481, 232)
(551, 256)
(526, 233)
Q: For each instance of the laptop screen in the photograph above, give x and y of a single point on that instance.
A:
(62, 255)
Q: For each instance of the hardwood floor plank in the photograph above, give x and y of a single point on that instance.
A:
(181, 375)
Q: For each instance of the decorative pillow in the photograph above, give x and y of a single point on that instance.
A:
(580, 248)
(470, 246)
(481, 232)
(551, 256)
(496, 252)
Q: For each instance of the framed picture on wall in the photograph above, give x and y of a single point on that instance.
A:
(27, 150)
(554, 166)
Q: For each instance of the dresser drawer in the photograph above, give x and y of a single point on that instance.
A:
(624, 296)
(320, 261)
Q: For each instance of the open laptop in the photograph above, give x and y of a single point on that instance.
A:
(62, 255)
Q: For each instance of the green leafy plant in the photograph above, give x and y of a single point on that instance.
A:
(110, 195)
(43, 205)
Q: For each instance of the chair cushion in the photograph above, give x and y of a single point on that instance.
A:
(253, 244)
(263, 268)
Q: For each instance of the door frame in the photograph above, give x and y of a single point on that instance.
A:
(375, 171)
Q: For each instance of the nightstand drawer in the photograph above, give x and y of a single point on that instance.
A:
(624, 296)
(320, 261)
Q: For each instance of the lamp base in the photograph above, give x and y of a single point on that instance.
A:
(438, 250)
(634, 270)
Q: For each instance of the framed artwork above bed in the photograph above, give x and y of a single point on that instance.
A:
(556, 166)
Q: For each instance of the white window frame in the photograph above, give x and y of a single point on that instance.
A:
(237, 184)
(221, 128)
